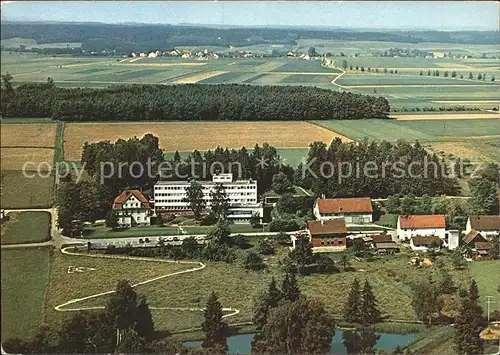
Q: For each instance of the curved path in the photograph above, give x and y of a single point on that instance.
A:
(200, 266)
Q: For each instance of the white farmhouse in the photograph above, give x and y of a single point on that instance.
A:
(352, 210)
(242, 194)
(421, 225)
(486, 225)
(132, 209)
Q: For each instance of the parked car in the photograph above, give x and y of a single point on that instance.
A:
(175, 239)
(141, 241)
(170, 239)
(147, 240)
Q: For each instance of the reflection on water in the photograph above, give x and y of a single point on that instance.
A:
(344, 342)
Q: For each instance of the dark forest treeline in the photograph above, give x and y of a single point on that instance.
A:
(127, 38)
(189, 102)
(374, 169)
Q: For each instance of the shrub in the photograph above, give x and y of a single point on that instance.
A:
(285, 225)
(240, 241)
(253, 261)
(266, 247)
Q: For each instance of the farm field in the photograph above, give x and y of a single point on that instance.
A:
(474, 150)
(32, 135)
(19, 191)
(24, 279)
(187, 136)
(26, 227)
(486, 275)
(15, 158)
(431, 129)
(405, 90)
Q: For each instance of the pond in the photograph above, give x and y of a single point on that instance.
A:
(241, 344)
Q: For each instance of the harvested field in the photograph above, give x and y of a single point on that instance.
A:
(199, 77)
(28, 135)
(183, 64)
(479, 150)
(187, 136)
(15, 158)
(448, 116)
(466, 102)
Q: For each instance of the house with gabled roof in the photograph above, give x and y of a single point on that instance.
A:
(330, 234)
(352, 210)
(487, 225)
(421, 225)
(132, 209)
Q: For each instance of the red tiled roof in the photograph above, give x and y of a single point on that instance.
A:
(381, 238)
(472, 236)
(125, 194)
(345, 205)
(426, 240)
(422, 221)
(483, 246)
(333, 226)
(485, 222)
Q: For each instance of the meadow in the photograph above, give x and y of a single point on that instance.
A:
(188, 136)
(26, 227)
(25, 274)
(391, 278)
(19, 191)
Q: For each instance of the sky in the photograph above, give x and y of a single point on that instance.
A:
(439, 15)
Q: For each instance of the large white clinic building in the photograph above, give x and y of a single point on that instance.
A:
(242, 194)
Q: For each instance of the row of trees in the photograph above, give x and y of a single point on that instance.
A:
(232, 102)
(338, 170)
(454, 75)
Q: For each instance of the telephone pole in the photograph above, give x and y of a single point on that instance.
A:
(488, 302)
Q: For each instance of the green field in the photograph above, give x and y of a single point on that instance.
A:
(422, 130)
(405, 90)
(24, 278)
(26, 227)
(24, 192)
(486, 275)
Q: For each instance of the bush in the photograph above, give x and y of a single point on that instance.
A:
(325, 265)
(208, 220)
(282, 238)
(266, 247)
(240, 241)
(283, 225)
(253, 261)
(216, 252)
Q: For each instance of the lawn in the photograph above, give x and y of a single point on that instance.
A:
(98, 275)
(103, 232)
(26, 227)
(19, 191)
(486, 274)
(24, 279)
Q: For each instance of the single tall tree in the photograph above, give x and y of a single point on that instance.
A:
(213, 326)
(290, 288)
(369, 311)
(122, 305)
(144, 324)
(468, 324)
(219, 201)
(194, 196)
(351, 311)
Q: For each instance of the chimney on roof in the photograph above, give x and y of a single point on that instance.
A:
(323, 196)
(322, 222)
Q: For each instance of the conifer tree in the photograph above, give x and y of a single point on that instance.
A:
(468, 324)
(290, 288)
(353, 303)
(213, 326)
(144, 324)
(369, 311)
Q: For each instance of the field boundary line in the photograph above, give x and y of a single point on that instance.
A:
(200, 266)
